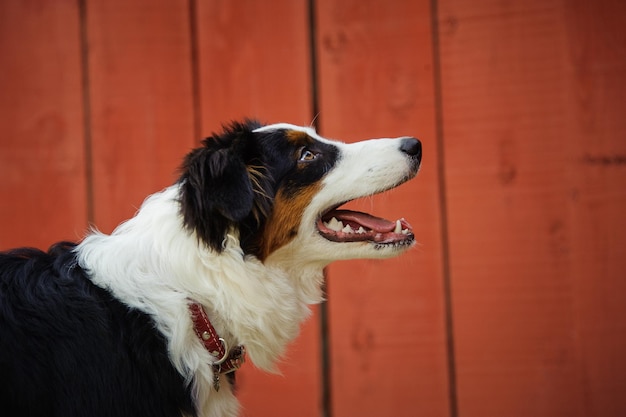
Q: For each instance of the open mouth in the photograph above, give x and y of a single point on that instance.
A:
(354, 226)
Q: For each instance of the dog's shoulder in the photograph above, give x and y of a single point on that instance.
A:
(60, 333)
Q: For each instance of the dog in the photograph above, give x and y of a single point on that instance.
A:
(153, 319)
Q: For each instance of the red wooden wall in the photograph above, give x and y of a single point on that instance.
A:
(513, 303)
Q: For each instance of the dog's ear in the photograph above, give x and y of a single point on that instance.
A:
(216, 190)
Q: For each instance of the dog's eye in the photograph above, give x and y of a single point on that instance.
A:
(307, 155)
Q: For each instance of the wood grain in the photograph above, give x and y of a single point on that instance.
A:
(254, 61)
(142, 117)
(532, 94)
(42, 165)
(386, 318)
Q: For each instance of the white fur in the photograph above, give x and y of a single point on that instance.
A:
(152, 263)
(364, 168)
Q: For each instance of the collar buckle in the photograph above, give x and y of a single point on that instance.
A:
(227, 360)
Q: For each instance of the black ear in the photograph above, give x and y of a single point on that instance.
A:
(216, 190)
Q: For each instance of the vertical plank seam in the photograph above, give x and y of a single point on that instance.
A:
(195, 72)
(86, 98)
(445, 244)
(315, 106)
(326, 388)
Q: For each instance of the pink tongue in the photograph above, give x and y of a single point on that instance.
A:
(366, 220)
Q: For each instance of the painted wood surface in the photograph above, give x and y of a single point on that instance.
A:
(386, 318)
(533, 100)
(42, 166)
(141, 107)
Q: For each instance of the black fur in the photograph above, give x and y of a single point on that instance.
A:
(68, 348)
(233, 178)
(216, 189)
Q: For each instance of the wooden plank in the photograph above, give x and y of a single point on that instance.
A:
(142, 116)
(43, 191)
(597, 90)
(254, 62)
(533, 99)
(387, 318)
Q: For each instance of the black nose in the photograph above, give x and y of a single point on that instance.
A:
(411, 147)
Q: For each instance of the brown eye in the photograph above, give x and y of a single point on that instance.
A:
(306, 155)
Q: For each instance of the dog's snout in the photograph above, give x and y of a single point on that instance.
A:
(411, 147)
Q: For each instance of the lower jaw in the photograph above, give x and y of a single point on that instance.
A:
(378, 239)
(361, 246)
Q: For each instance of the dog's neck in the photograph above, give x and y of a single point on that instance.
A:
(152, 264)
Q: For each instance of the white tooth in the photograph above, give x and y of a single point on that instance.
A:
(398, 228)
(405, 231)
(334, 224)
(347, 229)
(361, 230)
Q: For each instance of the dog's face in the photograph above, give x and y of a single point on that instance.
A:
(280, 187)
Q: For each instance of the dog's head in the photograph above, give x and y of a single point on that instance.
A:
(280, 187)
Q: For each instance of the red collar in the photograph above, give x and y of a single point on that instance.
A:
(225, 360)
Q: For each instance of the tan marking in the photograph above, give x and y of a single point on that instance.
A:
(283, 224)
(298, 137)
(256, 174)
